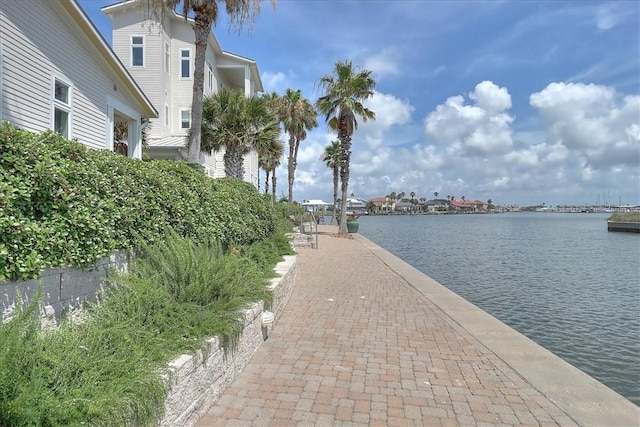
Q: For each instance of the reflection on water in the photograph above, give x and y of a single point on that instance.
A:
(562, 280)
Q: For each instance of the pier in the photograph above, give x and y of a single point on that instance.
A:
(366, 339)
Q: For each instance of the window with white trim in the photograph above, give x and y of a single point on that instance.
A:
(209, 76)
(185, 63)
(137, 51)
(185, 119)
(166, 115)
(61, 105)
(167, 57)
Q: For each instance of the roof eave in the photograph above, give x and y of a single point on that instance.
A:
(80, 17)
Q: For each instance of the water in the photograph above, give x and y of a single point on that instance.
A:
(562, 280)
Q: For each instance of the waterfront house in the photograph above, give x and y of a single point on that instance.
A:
(384, 204)
(356, 205)
(437, 205)
(57, 72)
(161, 59)
(469, 205)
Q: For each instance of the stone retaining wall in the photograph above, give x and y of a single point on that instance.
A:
(64, 290)
(197, 381)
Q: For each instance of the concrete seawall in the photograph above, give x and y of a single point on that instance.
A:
(583, 398)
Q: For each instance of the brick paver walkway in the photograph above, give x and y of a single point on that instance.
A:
(357, 345)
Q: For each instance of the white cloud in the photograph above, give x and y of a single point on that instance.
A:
(277, 82)
(469, 130)
(384, 63)
(490, 97)
(608, 16)
(389, 111)
(593, 121)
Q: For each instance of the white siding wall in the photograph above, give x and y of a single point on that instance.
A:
(1, 79)
(41, 41)
(251, 168)
(167, 85)
(150, 77)
(182, 94)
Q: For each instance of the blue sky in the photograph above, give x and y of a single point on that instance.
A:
(519, 101)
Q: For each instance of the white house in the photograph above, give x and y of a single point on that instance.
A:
(161, 59)
(57, 72)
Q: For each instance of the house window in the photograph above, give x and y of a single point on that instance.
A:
(137, 51)
(166, 115)
(61, 107)
(185, 63)
(209, 76)
(167, 57)
(185, 119)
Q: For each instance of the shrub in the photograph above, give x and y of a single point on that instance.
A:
(108, 370)
(269, 251)
(64, 204)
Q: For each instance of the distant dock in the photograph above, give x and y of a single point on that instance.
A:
(629, 227)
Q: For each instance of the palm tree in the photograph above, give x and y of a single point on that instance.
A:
(205, 14)
(269, 160)
(238, 124)
(435, 194)
(344, 93)
(298, 116)
(331, 157)
(265, 164)
(372, 207)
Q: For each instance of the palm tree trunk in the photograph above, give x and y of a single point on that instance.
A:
(345, 141)
(201, 29)
(291, 167)
(233, 163)
(336, 179)
(273, 184)
(266, 181)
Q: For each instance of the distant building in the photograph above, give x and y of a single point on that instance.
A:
(469, 205)
(437, 205)
(384, 204)
(356, 205)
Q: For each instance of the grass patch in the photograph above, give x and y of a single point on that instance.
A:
(108, 370)
(625, 217)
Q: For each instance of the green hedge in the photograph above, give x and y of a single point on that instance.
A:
(64, 204)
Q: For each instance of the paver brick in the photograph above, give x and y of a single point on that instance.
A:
(356, 345)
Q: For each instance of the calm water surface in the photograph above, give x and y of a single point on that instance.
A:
(562, 280)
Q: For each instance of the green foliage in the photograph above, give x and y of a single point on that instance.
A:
(269, 252)
(107, 371)
(64, 204)
(625, 217)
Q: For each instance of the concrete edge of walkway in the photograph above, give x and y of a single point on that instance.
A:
(583, 398)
